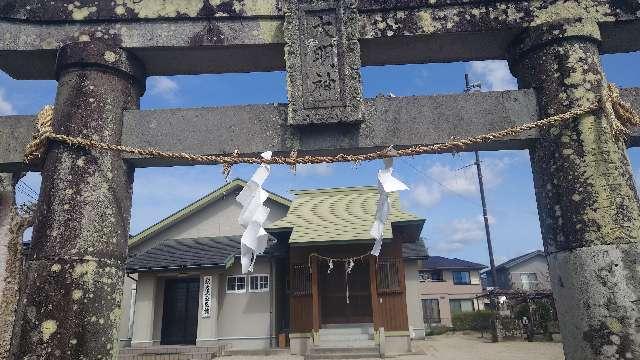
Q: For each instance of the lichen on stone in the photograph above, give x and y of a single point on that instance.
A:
(47, 329)
(161, 8)
(80, 13)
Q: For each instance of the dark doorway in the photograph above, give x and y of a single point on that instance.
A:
(334, 308)
(180, 312)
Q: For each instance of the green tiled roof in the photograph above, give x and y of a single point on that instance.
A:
(340, 214)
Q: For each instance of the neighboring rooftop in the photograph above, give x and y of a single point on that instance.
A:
(415, 250)
(197, 205)
(441, 262)
(517, 260)
(339, 214)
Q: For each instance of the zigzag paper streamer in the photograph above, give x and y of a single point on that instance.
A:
(386, 185)
(253, 215)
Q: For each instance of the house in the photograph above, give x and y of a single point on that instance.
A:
(172, 262)
(446, 286)
(526, 272)
(185, 287)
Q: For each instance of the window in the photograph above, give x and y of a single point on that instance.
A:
(431, 311)
(529, 281)
(461, 278)
(388, 275)
(430, 275)
(236, 284)
(300, 280)
(461, 305)
(258, 283)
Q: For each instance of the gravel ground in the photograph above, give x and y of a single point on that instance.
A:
(472, 347)
(461, 347)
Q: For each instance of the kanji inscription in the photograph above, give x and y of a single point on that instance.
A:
(323, 61)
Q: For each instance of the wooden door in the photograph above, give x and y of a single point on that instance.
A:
(338, 307)
(180, 312)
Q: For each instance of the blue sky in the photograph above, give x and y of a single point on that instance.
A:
(443, 189)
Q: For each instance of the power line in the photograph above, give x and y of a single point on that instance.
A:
(460, 195)
(29, 187)
(23, 190)
(439, 183)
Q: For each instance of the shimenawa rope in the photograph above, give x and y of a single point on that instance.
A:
(620, 113)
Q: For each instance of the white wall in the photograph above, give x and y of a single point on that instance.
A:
(220, 218)
(537, 265)
(245, 317)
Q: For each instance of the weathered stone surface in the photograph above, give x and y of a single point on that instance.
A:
(12, 225)
(323, 61)
(235, 35)
(72, 310)
(587, 201)
(253, 128)
(598, 288)
(79, 243)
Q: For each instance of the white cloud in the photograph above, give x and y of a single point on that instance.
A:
(6, 108)
(314, 169)
(426, 195)
(494, 75)
(460, 233)
(445, 180)
(164, 87)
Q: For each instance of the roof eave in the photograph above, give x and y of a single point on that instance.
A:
(196, 206)
(175, 268)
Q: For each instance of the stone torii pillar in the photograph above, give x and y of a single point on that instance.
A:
(79, 247)
(587, 201)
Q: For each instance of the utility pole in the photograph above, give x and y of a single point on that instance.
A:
(494, 305)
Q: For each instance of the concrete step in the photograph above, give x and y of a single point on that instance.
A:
(365, 349)
(169, 349)
(324, 343)
(346, 331)
(345, 337)
(343, 356)
(339, 350)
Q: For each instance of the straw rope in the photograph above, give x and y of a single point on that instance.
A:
(621, 114)
(330, 259)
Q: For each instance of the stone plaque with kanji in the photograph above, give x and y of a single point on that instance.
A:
(323, 61)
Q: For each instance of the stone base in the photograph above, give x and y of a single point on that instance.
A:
(144, 343)
(397, 342)
(299, 343)
(250, 344)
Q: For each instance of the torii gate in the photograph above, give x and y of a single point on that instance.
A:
(101, 51)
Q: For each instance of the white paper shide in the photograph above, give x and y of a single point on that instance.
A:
(386, 185)
(253, 216)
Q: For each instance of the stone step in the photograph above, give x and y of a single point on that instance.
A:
(343, 356)
(175, 356)
(345, 337)
(346, 349)
(167, 352)
(346, 331)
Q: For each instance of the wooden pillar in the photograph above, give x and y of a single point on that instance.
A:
(587, 201)
(315, 296)
(79, 248)
(373, 279)
(397, 244)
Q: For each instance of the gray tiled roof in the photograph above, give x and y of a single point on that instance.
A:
(213, 252)
(519, 259)
(440, 262)
(186, 253)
